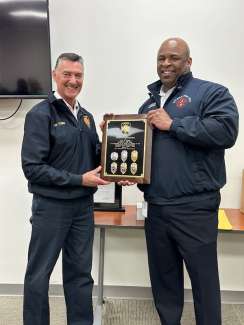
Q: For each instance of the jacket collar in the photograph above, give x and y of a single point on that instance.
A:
(60, 104)
(154, 88)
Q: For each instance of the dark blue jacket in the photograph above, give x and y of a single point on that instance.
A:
(57, 149)
(188, 160)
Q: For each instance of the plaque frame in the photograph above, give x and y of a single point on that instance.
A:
(144, 177)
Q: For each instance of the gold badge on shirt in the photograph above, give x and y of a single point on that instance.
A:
(87, 121)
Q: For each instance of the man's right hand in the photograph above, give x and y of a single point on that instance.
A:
(92, 178)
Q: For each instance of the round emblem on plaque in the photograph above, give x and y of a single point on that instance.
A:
(133, 168)
(134, 155)
(123, 168)
(113, 167)
(114, 156)
(124, 155)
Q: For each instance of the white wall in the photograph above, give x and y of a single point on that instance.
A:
(119, 41)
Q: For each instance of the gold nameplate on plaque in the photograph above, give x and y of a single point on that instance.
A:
(126, 148)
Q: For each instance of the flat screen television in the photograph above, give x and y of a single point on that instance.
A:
(25, 63)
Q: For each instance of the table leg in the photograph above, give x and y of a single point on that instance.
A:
(98, 311)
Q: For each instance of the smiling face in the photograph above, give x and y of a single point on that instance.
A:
(69, 76)
(173, 60)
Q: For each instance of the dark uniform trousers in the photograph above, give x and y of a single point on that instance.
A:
(184, 232)
(66, 225)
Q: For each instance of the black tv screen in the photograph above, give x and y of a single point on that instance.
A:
(25, 63)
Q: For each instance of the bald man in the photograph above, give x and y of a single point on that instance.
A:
(194, 122)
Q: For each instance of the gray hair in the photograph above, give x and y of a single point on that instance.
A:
(69, 57)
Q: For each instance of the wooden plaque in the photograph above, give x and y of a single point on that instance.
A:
(126, 148)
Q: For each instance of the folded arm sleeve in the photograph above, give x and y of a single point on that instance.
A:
(35, 153)
(215, 127)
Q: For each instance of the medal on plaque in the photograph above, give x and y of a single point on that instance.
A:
(133, 168)
(134, 155)
(114, 167)
(114, 156)
(123, 168)
(124, 155)
(126, 148)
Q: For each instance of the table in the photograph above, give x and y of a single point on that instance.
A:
(127, 219)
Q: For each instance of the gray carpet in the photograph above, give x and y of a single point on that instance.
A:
(115, 312)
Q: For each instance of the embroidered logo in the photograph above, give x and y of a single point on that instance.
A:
(182, 101)
(87, 121)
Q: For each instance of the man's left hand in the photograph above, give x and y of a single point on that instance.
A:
(160, 119)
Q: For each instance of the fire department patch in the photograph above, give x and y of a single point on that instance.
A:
(182, 101)
(87, 121)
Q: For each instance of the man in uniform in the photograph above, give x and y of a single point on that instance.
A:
(194, 122)
(60, 159)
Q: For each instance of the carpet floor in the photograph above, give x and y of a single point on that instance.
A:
(115, 312)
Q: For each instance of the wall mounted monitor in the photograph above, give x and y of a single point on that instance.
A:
(25, 63)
